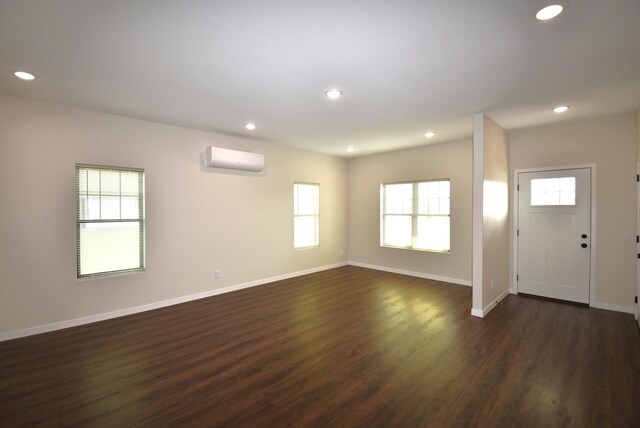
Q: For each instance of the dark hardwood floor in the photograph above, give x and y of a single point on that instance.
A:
(345, 347)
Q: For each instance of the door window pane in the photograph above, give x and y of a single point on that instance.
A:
(553, 191)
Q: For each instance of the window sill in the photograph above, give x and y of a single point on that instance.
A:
(417, 249)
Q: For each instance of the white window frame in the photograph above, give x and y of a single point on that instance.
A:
(315, 215)
(415, 215)
(140, 220)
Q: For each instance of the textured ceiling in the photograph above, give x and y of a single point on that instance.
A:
(405, 66)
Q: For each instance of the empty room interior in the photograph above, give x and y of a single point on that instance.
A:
(336, 213)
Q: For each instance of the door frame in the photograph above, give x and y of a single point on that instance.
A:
(514, 224)
(636, 305)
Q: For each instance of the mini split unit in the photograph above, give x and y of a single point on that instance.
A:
(233, 159)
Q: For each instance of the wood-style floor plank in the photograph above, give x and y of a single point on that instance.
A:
(344, 347)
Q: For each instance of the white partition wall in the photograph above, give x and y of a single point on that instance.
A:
(490, 214)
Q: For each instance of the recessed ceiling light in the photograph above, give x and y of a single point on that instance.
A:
(24, 75)
(250, 126)
(349, 149)
(560, 109)
(549, 12)
(333, 94)
(429, 134)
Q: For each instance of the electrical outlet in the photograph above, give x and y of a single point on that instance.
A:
(341, 252)
(492, 283)
(217, 274)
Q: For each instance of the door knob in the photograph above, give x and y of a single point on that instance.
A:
(584, 245)
(584, 236)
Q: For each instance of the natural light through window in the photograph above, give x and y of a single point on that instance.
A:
(416, 215)
(306, 215)
(553, 191)
(110, 220)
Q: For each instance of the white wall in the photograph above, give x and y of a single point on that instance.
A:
(446, 160)
(490, 214)
(611, 144)
(198, 221)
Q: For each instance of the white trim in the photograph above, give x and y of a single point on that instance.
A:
(477, 313)
(477, 238)
(156, 305)
(412, 273)
(612, 307)
(636, 306)
(483, 313)
(592, 273)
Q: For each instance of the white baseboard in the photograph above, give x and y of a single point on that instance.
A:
(411, 273)
(477, 313)
(156, 305)
(483, 312)
(610, 307)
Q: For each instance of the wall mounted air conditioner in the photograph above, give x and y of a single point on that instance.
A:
(233, 159)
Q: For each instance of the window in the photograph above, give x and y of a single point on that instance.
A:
(110, 220)
(553, 191)
(416, 215)
(306, 215)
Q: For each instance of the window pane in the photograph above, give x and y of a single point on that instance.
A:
(568, 191)
(553, 185)
(109, 182)
(129, 207)
(107, 247)
(537, 192)
(445, 189)
(397, 230)
(305, 199)
(567, 198)
(552, 198)
(434, 206)
(129, 183)
(92, 208)
(568, 184)
(305, 231)
(306, 219)
(433, 233)
(93, 181)
(553, 191)
(110, 208)
(423, 198)
(82, 181)
(445, 206)
(398, 198)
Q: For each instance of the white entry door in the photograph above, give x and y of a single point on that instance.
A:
(554, 234)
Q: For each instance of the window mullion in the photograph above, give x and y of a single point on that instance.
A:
(120, 195)
(414, 216)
